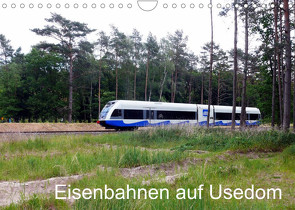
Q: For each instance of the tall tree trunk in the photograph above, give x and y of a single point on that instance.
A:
(294, 102)
(244, 89)
(151, 87)
(294, 90)
(190, 87)
(287, 86)
(172, 87)
(134, 85)
(128, 83)
(280, 88)
(211, 68)
(71, 87)
(282, 61)
(202, 89)
(238, 93)
(218, 88)
(277, 64)
(146, 76)
(84, 108)
(175, 84)
(279, 70)
(273, 102)
(163, 82)
(233, 125)
(99, 83)
(90, 102)
(116, 78)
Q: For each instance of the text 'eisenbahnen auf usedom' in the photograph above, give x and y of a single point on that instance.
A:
(215, 193)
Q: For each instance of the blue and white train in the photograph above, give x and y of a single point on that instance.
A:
(125, 114)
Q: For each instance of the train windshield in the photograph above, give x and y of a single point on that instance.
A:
(106, 109)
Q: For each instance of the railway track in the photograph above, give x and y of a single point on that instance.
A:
(97, 132)
(59, 132)
(25, 135)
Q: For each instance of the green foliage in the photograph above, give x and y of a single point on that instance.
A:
(39, 202)
(289, 151)
(6, 51)
(288, 154)
(10, 82)
(35, 86)
(43, 85)
(136, 157)
(36, 144)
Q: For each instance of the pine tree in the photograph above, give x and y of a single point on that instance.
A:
(235, 66)
(178, 43)
(103, 43)
(6, 50)
(287, 86)
(68, 33)
(244, 88)
(211, 68)
(152, 49)
(137, 48)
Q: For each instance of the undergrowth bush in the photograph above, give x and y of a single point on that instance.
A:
(289, 154)
(133, 157)
(38, 144)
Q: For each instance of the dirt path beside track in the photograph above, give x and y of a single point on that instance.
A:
(47, 127)
(15, 191)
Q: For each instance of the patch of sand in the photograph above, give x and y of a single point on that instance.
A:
(14, 191)
(48, 127)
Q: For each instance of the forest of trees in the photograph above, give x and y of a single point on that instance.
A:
(73, 78)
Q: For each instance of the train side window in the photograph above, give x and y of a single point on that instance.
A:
(117, 113)
(187, 115)
(133, 114)
(223, 116)
(238, 116)
(254, 117)
(176, 115)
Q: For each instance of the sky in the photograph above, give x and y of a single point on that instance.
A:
(191, 16)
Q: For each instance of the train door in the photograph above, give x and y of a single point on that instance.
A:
(197, 117)
(150, 116)
(203, 113)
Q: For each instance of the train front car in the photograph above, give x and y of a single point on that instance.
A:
(105, 114)
(123, 115)
(128, 115)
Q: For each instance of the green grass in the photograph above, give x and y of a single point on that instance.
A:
(30, 167)
(133, 157)
(184, 138)
(232, 173)
(175, 138)
(165, 137)
(63, 155)
(66, 155)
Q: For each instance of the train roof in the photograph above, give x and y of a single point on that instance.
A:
(228, 109)
(159, 105)
(129, 104)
